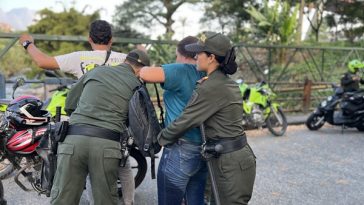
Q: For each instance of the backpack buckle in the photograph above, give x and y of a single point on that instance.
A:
(146, 147)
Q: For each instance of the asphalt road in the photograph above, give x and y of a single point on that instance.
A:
(303, 167)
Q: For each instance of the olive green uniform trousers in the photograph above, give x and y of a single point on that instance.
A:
(235, 176)
(78, 156)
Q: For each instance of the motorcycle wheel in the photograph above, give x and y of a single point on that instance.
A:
(138, 165)
(2, 200)
(273, 123)
(312, 120)
(360, 128)
(6, 168)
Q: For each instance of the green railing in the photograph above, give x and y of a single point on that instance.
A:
(300, 75)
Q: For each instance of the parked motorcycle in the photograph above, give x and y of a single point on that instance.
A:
(25, 141)
(56, 100)
(350, 113)
(260, 110)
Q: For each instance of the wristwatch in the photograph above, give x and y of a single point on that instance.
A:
(26, 44)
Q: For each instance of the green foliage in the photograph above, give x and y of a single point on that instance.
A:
(147, 13)
(68, 22)
(15, 61)
(162, 54)
(275, 24)
(231, 15)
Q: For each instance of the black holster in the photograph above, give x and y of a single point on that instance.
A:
(125, 141)
(222, 146)
(60, 131)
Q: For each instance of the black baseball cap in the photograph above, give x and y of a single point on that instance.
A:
(138, 56)
(215, 43)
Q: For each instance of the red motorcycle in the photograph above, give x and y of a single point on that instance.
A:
(25, 132)
(26, 141)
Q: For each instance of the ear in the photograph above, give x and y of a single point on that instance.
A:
(110, 42)
(212, 58)
(90, 40)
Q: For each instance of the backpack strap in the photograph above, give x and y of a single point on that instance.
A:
(152, 163)
(161, 116)
(108, 53)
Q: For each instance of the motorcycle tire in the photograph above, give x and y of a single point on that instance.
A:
(6, 168)
(2, 200)
(311, 122)
(141, 168)
(271, 127)
(360, 128)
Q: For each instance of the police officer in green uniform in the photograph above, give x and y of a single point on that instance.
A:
(217, 103)
(92, 145)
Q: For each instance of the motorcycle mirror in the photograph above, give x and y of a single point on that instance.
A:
(53, 74)
(50, 74)
(18, 83)
(239, 81)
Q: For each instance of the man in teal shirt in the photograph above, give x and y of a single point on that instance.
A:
(181, 172)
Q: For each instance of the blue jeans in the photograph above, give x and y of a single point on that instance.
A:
(181, 174)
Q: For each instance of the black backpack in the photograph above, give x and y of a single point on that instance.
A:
(143, 124)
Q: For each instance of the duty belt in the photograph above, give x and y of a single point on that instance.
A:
(223, 146)
(93, 131)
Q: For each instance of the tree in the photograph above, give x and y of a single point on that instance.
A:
(68, 22)
(148, 12)
(276, 24)
(231, 15)
(351, 17)
(317, 19)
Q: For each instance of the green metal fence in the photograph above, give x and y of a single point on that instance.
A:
(301, 75)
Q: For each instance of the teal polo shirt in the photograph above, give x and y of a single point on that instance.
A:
(180, 82)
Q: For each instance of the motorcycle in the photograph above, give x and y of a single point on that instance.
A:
(349, 114)
(260, 110)
(57, 99)
(25, 143)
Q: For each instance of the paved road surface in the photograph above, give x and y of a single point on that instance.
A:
(303, 167)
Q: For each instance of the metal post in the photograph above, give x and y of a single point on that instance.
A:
(2, 86)
(307, 95)
(269, 64)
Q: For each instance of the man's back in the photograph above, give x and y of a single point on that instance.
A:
(105, 97)
(76, 63)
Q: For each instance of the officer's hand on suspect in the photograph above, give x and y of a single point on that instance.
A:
(162, 140)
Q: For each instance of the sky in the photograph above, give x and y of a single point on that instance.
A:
(193, 27)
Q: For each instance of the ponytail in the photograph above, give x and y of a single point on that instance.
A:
(227, 62)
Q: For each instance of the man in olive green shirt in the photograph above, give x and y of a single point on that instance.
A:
(92, 145)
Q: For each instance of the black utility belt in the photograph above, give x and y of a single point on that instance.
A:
(93, 131)
(224, 146)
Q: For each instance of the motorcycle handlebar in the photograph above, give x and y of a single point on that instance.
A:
(59, 88)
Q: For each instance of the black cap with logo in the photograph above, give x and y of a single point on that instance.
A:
(215, 43)
(138, 56)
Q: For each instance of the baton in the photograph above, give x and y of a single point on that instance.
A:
(209, 166)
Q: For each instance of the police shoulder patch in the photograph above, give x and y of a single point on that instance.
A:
(202, 80)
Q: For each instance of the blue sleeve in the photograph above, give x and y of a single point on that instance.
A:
(173, 74)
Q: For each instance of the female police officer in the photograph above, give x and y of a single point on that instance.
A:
(217, 103)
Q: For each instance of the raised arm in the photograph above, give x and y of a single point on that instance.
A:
(152, 74)
(41, 59)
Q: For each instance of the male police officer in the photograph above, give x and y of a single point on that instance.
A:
(78, 63)
(92, 145)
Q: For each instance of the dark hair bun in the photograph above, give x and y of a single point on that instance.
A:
(229, 66)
